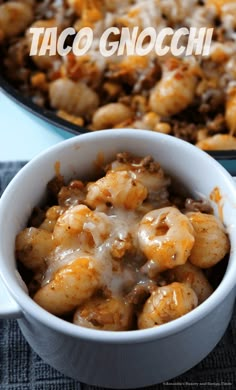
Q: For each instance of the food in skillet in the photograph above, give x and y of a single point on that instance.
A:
(191, 97)
(122, 252)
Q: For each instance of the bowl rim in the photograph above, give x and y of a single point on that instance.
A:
(31, 309)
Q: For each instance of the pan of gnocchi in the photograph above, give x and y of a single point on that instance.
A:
(192, 97)
(118, 245)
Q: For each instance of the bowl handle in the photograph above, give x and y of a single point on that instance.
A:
(8, 307)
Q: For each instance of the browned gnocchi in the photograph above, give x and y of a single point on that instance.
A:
(122, 252)
(189, 96)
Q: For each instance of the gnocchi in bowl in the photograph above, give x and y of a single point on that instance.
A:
(192, 97)
(153, 308)
(122, 252)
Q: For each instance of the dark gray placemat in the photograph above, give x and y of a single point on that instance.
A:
(22, 369)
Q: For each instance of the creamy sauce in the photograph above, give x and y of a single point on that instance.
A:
(114, 275)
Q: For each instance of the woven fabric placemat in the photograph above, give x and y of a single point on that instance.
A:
(22, 369)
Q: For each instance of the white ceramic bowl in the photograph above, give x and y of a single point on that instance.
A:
(117, 359)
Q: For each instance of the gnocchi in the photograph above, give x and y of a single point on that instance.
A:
(211, 242)
(166, 237)
(189, 97)
(174, 92)
(75, 98)
(121, 252)
(15, 17)
(166, 304)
